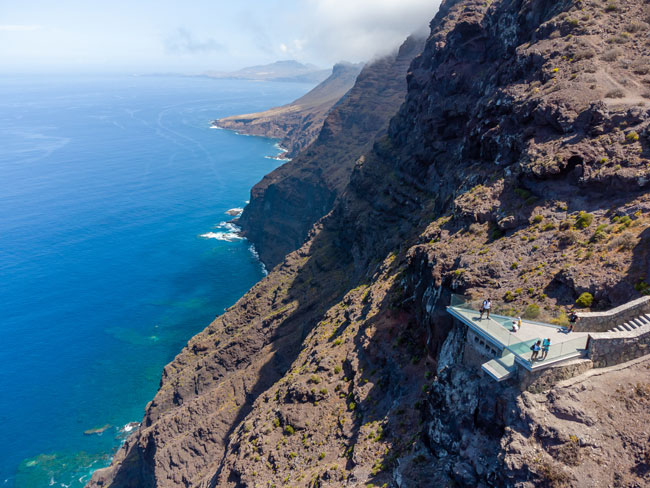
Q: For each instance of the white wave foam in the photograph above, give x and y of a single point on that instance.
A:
(222, 236)
(130, 426)
(229, 226)
(256, 255)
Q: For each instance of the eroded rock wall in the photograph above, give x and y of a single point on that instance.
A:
(510, 169)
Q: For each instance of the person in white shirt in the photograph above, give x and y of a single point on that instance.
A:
(516, 324)
(487, 305)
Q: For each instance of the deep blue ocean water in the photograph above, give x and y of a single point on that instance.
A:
(106, 186)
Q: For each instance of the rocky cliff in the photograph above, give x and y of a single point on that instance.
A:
(288, 201)
(298, 123)
(516, 166)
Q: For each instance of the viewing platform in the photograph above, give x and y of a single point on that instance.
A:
(599, 339)
(513, 348)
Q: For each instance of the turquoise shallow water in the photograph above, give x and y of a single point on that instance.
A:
(113, 253)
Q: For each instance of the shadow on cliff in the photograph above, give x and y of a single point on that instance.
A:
(318, 280)
(387, 374)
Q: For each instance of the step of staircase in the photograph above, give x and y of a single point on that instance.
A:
(501, 368)
(640, 321)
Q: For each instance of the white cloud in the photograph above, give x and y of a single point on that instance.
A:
(184, 41)
(357, 30)
(18, 28)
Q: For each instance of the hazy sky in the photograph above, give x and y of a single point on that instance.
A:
(198, 35)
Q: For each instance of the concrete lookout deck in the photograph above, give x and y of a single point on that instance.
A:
(511, 350)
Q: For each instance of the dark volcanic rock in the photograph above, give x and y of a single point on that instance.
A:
(517, 167)
(288, 201)
(298, 123)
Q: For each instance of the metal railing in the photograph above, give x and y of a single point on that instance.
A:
(556, 317)
(498, 327)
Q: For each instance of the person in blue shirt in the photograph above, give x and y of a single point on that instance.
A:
(545, 347)
(536, 347)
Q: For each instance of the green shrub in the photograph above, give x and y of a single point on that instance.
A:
(611, 7)
(509, 296)
(561, 319)
(600, 234)
(532, 311)
(548, 226)
(538, 218)
(642, 287)
(625, 220)
(337, 369)
(289, 430)
(632, 136)
(496, 234)
(584, 220)
(276, 422)
(514, 265)
(314, 379)
(585, 300)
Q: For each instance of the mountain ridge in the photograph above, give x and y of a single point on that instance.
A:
(285, 70)
(298, 123)
(342, 367)
(281, 212)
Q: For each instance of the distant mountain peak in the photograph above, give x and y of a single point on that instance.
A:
(282, 70)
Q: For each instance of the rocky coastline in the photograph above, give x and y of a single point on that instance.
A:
(511, 159)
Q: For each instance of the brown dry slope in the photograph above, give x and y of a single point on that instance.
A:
(510, 169)
(298, 123)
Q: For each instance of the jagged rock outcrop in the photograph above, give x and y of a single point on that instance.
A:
(298, 123)
(511, 169)
(288, 201)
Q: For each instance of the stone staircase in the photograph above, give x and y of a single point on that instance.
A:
(632, 325)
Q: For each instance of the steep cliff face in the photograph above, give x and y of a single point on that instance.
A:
(288, 201)
(511, 166)
(298, 123)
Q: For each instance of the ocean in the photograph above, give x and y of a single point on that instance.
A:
(115, 249)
